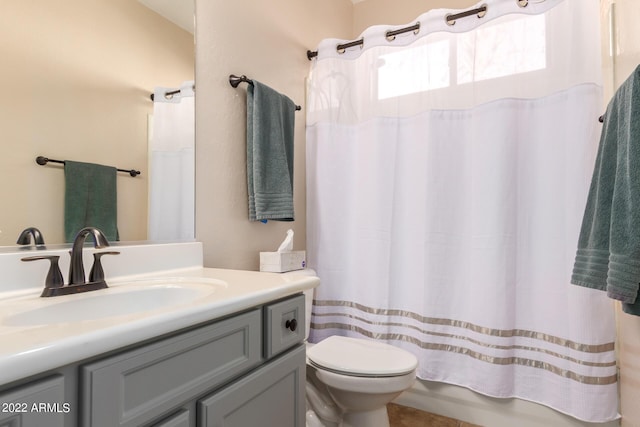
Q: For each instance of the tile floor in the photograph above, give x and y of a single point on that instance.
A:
(404, 416)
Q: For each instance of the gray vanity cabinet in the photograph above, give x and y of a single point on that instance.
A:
(247, 369)
(250, 366)
(132, 388)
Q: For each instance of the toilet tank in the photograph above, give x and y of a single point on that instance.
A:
(308, 299)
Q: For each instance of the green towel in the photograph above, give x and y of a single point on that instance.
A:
(608, 256)
(270, 132)
(90, 199)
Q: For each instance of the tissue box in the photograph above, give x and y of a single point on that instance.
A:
(279, 262)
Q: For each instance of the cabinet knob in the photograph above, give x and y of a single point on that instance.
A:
(292, 325)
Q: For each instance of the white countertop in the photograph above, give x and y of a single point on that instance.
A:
(26, 350)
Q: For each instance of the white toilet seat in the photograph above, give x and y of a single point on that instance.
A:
(365, 385)
(357, 357)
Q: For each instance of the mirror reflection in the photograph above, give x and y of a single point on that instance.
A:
(77, 77)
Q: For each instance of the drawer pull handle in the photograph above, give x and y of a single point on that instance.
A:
(292, 325)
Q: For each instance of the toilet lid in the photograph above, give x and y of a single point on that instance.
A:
(354, 356)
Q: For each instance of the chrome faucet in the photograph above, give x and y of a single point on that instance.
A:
(27, 235)
(54, 282)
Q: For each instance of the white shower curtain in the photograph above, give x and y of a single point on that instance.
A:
(172, 165)
(447, 173)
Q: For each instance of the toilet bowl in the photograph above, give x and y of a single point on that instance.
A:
(362, 376)
(351, 380)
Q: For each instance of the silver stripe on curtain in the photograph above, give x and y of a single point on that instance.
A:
(318, 324)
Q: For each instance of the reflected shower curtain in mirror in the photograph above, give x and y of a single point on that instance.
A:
(447, 174)
(172, 165)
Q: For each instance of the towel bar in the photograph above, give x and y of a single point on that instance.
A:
(234, 81)
(41, 160)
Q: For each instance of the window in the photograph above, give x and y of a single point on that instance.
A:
(413, 70)
(512, 45)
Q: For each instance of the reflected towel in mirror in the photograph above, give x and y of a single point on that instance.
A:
(90, 199)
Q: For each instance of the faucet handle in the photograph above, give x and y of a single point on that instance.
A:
(97, 273)
(54, 276)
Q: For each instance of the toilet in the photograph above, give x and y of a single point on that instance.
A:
(351, 380)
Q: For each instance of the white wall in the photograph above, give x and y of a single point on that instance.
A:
(267, 41)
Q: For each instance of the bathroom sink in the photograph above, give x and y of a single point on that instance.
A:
(129, 298)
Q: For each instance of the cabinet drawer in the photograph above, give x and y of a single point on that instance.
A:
(38, 404)
(136, 386)
(284, 324)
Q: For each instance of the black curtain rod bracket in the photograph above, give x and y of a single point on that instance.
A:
(235, 81)
(41, 160)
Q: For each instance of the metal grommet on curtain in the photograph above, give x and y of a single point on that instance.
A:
(342, 48)
(480, 12)
(391, 34)
(450, 22)
(522, 3)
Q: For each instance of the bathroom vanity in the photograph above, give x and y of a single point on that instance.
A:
(227, 351)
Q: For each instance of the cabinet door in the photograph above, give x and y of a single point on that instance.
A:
(273, 395)
(38, 404)
(134, 387)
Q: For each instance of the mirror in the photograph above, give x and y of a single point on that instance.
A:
(77, 77)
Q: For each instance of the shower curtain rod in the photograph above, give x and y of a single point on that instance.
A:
(450, 19)
(41, 160)
(170, 93)
(234, 81)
